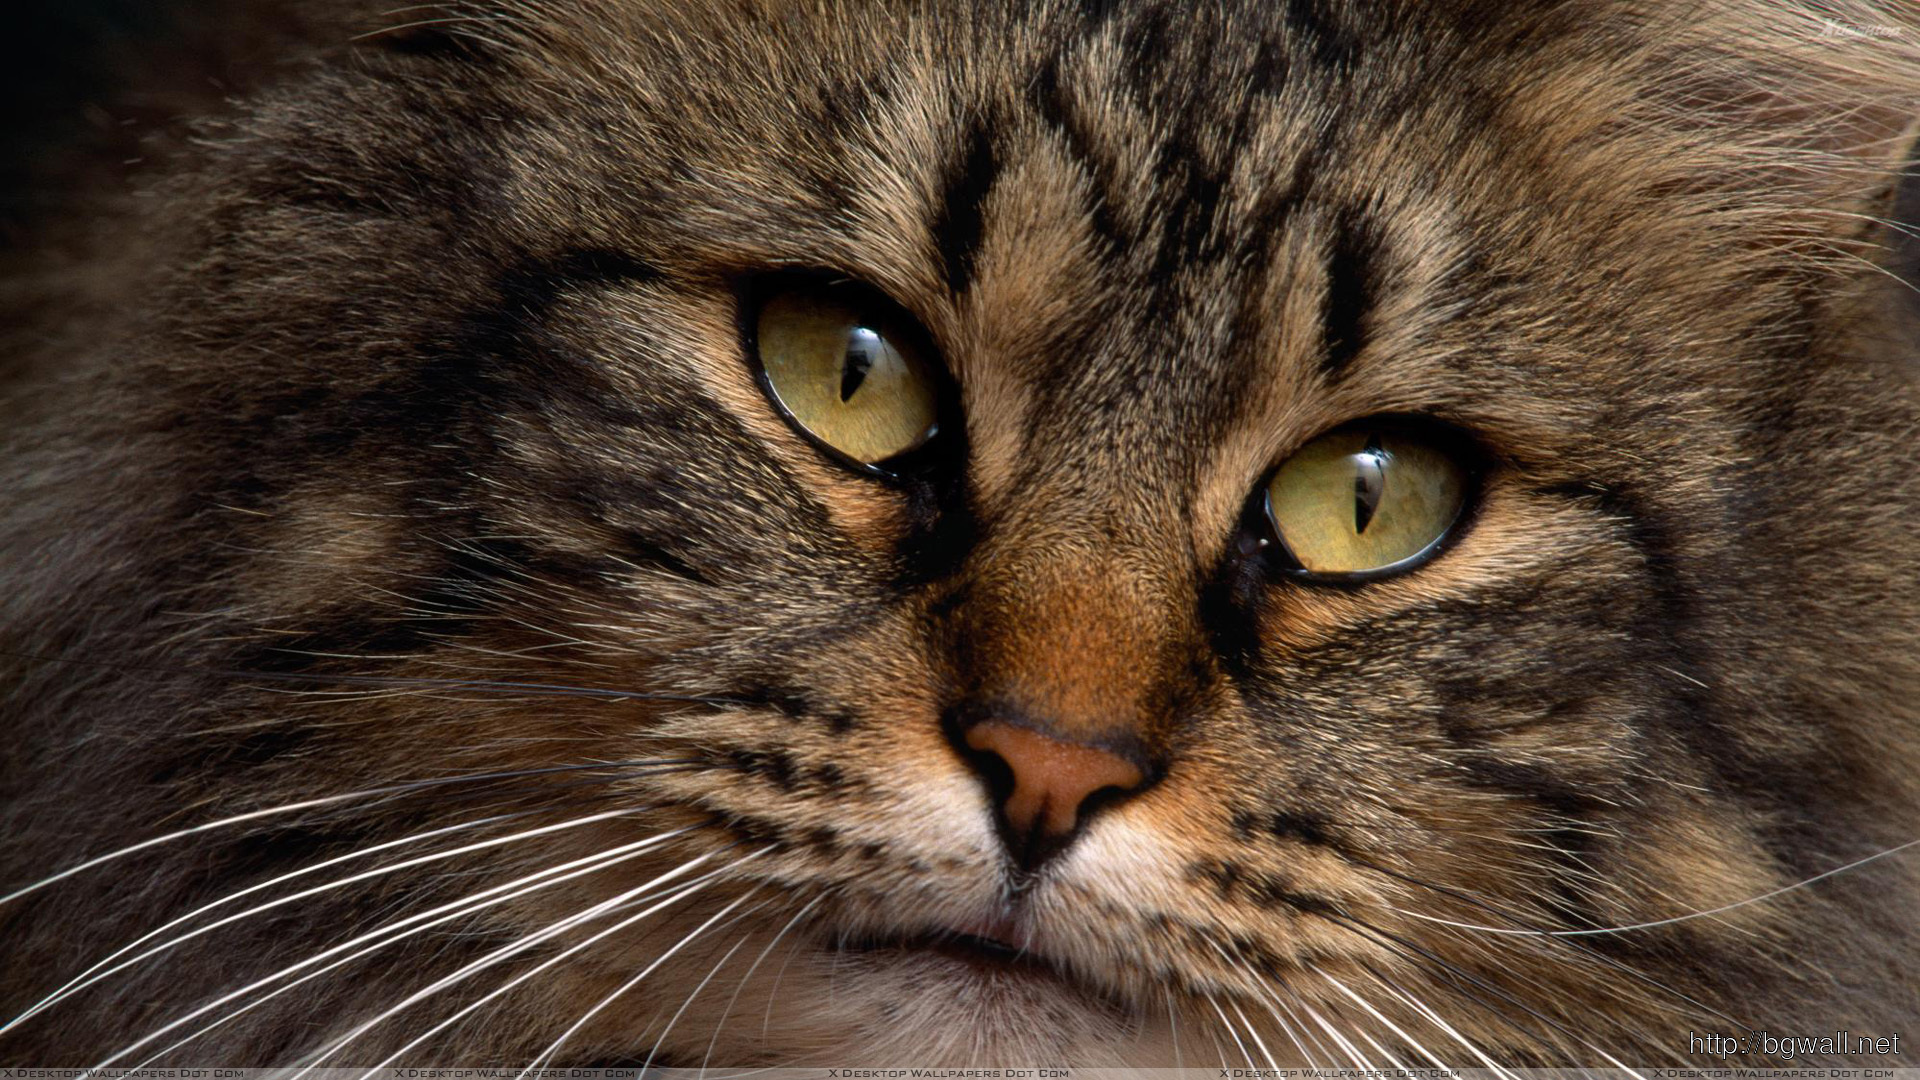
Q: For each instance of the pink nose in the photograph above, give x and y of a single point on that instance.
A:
(1052, 779)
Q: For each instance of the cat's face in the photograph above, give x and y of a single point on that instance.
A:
(1351, 505)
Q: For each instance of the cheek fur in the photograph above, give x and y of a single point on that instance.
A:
(421, 638)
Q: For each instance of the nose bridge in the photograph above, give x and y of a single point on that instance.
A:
(1080, 603)
(1069, 646)
(1073, 639)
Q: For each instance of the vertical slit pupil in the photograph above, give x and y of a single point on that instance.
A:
(862, 344)
(1369, 483)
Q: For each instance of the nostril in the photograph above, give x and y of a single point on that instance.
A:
(1047, 783)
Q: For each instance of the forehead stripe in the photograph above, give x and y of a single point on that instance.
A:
(959, 226)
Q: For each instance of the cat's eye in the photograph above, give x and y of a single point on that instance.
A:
(1362, 502)
(848, 371)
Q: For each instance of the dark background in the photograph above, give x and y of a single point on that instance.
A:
(90, 88)
(57, 73)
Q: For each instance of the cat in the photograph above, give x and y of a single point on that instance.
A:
(1339, 532)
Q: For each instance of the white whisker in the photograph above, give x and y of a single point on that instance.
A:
(773, 991)
(1453, 1033)
(89, 977)
(553, 1048)
(1353, 1052)
(1255, 1036)
(1286, 1027)
(1219, 1048)
(751, 968)
(681, 1011)
(1228, 1024)
(237, 819)
(1260, 984)
(637, 894)
(489, 897)
(684, 891)
(1709, 913)
(1380, 1016)
(1392, 1059)
(406, 787)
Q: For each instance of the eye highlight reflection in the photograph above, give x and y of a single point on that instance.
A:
(847, 373)
(1365, 502)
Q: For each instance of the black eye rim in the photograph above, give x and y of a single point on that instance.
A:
(909, 466)
(1464, 450)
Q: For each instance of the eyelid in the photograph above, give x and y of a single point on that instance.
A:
(798, 394)
(1324, 493)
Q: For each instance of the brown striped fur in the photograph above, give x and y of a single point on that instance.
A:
(423, 361)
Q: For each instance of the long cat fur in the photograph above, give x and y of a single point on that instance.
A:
(407, 386)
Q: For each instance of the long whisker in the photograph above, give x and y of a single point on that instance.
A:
(1254, 1035)
(401, 681)
(420, 921)
(1228, 1025)
(519, 689)
(751, 968)
(1378, 1015)
(553, 1048)
(1275, 1006)
(1404, 947)
(1353, 1053)
(647, 1065)
(1287, 1027)
(1173, 1026)
(514, 948)
(1437, 1021)
(1579, 949)
(1219, 1048)
(684, 891)
(462, 25)
(95, 973)
(404, 787)
(1367, 1036)
(1721, 910)
(773, 991)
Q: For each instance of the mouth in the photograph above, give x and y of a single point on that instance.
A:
(1002, 954)
(986, 945)
(994, 982)
(979, 953)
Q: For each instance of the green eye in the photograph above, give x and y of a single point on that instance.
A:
(848, 372)
(1364, 502)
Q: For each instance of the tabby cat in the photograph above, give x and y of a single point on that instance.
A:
(848, 532)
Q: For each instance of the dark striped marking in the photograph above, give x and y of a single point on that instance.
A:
(1351, 284)
(960, 225)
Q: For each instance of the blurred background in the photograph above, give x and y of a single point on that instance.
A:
(90, 89)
